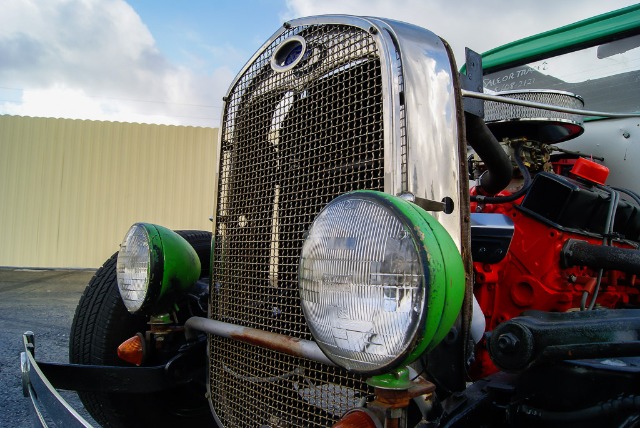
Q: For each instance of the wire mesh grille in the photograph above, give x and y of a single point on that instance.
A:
(291, 142)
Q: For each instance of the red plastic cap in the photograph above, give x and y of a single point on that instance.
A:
(590, 171)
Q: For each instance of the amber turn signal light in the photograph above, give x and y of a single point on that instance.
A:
(132, 350)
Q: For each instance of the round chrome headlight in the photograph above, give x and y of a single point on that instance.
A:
(380, 281)
(152, 263)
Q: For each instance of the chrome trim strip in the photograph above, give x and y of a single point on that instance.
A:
(44, 397)
(432, 138)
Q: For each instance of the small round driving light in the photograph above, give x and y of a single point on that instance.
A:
(381, 281)
(154, 262)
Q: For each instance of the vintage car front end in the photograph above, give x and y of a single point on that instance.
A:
(353, 278)
(328, 106)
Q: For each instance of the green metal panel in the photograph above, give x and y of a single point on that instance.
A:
(587, 32)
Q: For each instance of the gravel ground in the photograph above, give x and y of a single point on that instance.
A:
(42, 301)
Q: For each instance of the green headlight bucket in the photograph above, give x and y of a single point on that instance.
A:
(175, 266)
(448, 271)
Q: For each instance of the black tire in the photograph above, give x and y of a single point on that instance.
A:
(101, 323)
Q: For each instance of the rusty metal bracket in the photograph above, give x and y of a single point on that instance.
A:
(391, 404)
(264, 339)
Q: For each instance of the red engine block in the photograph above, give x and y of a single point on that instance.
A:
(531, 277)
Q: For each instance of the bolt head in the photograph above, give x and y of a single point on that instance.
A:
(508, 342)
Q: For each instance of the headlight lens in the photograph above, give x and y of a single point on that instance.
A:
(134, 267)
(373, 281)
(154, 263)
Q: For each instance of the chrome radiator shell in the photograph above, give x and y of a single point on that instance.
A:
(367, 103)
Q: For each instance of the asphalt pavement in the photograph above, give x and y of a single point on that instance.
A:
(42, 301)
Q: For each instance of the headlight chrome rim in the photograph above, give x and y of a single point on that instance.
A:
(150, 288)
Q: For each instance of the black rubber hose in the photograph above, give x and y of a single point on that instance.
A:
(611, 407)
(485, 144)
(580, 253)
(515, 195)
(633, 195)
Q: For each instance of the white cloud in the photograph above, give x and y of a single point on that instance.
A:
(96, 59)
(477, 25)
(65, 101)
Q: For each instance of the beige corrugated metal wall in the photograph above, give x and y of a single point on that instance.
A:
(70, 189)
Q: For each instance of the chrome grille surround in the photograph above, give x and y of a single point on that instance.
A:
(291, 141)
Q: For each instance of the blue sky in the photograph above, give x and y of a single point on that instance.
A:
(204, 34)
(170, 61)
